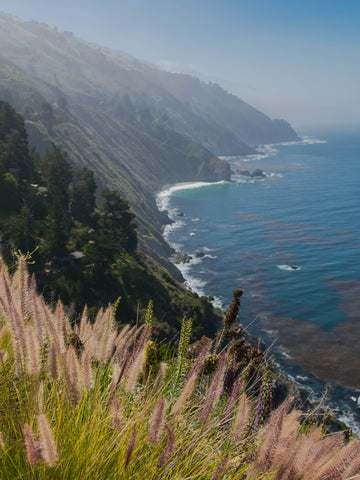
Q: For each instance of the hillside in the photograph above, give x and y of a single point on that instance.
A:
(137, 154)
(93, 75)
(83, 251)
(136, 127)
(234, 118)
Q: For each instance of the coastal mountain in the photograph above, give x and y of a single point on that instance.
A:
(233, 116)
(93, 75)
(137, 127)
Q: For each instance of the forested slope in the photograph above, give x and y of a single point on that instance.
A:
(82, 251)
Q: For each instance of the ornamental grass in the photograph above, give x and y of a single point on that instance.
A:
(87, 400)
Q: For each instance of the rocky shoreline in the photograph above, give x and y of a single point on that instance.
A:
(246, 173)
(181, 257)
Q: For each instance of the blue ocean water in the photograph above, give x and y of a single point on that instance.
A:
(291, 241)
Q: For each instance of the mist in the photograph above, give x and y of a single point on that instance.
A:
(298, 62)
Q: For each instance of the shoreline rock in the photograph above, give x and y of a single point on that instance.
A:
(180, 257)
(247, 173)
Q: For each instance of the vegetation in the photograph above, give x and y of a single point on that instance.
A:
(94, 402)
(82, 252)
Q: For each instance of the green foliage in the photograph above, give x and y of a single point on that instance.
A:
(28, 256)
(82, 196)
(17, 234)
(151, 360)
(88, 254)
(57, 176)
(9, 195)
(115, 307)
(183, 346)
(117, 230)
(149, 314)
(92, 402)
(14, 151)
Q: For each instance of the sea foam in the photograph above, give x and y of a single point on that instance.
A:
(304, 140)
(290, 268)
(162, 198)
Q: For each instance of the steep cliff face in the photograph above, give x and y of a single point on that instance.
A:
(80, 253)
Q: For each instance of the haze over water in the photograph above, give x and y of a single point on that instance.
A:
(291, 241)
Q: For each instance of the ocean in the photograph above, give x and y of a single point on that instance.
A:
(290, 238)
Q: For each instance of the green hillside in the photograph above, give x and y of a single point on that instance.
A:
(83, 251)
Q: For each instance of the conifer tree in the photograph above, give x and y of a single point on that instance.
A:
(58, 178)
(116, 224)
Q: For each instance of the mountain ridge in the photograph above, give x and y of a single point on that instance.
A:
(154, 86)
(137, 127)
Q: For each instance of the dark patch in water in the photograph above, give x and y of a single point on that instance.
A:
(349, 291)
(333, 357)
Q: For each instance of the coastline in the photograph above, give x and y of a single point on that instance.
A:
(163, 200)
(167, 190)
(286, 380)
(163, 196)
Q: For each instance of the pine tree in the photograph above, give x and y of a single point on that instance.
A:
(58, 178)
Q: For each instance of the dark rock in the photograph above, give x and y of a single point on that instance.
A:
(244, 173)
(258, 173)
(180, 214)
(255, 173)
(200, 255)
(180, 257)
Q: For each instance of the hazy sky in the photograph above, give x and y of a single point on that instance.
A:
(295, 59)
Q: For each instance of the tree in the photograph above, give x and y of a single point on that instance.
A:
(117, 229)
(17, 234)
(58, 177)
(14, 149)
(82, 196)
(9, 195)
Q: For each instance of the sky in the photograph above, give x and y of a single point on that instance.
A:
(292, 59)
